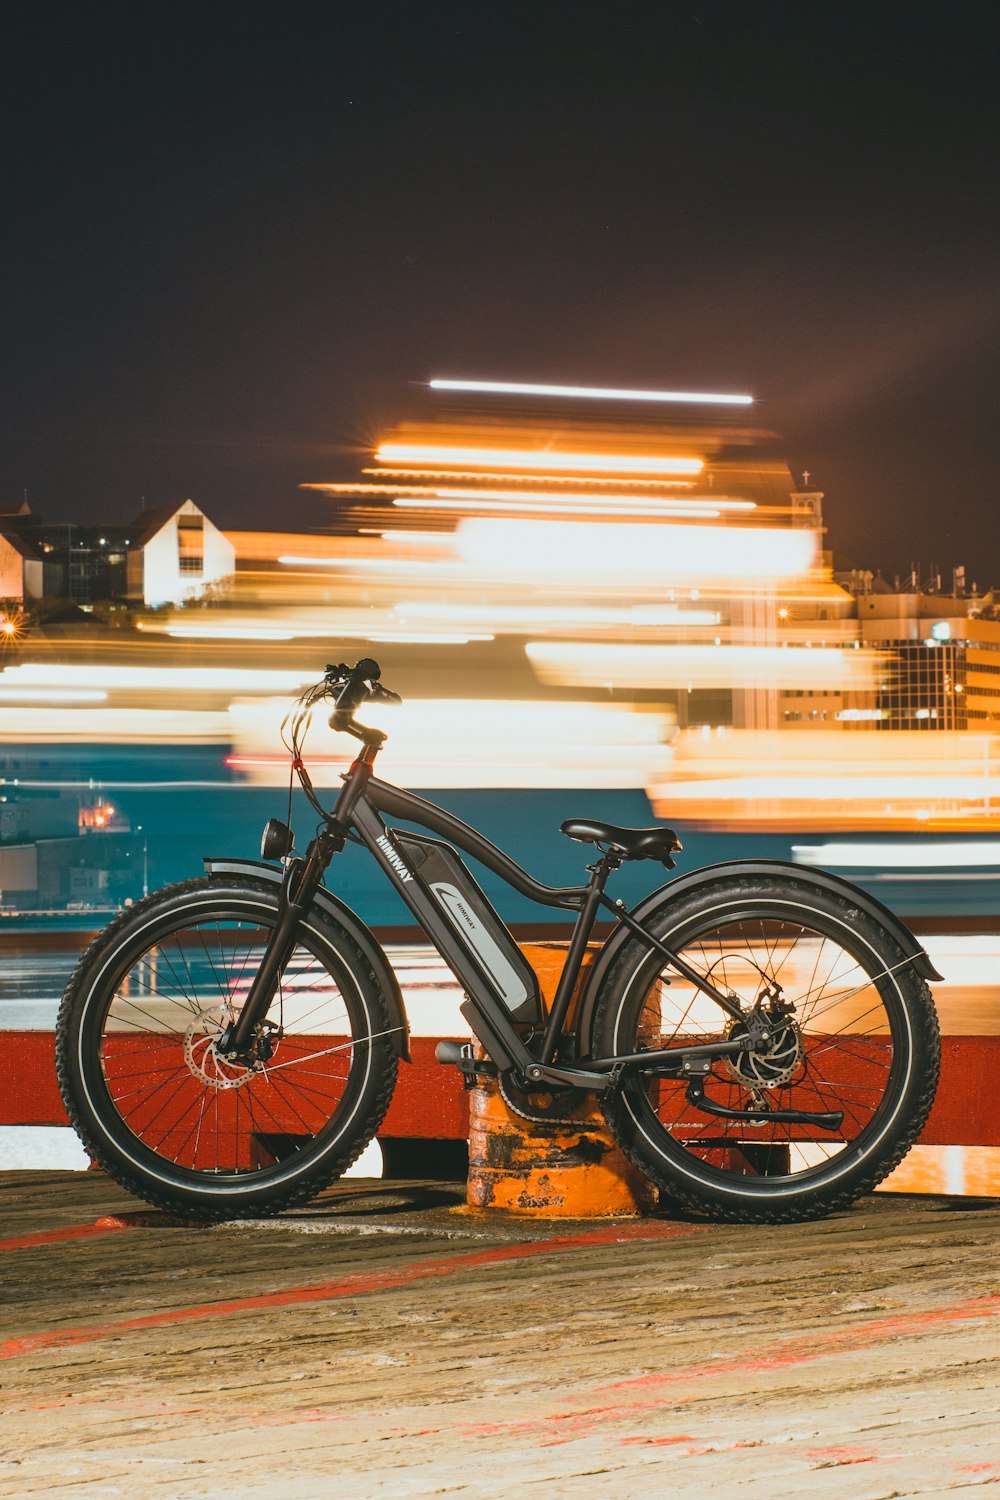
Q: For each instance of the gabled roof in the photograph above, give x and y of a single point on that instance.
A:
(148, 522)
(14, 508)
(19, 545)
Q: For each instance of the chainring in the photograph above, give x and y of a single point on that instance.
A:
(554, 1113)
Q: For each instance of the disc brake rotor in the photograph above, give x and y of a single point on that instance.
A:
(202, 1057)
(759, 1070)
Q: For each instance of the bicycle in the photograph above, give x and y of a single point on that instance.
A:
(762, 1039)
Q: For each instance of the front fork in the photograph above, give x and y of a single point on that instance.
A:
(303, 877)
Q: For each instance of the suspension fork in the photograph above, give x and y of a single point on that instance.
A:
(302, 880)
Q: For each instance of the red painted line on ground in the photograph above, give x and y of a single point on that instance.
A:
(352, 1285)
(106, 1225)
(837, 1457)
(583, 1421)
(55, 1236)
(821, 1343)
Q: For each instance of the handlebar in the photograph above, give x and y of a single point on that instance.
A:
(352, 686)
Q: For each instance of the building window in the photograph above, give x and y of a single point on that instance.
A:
(191, 543)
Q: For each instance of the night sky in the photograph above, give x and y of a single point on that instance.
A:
(233, 234)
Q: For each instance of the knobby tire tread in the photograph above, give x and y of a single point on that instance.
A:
(820, 1202)
(278, 1199)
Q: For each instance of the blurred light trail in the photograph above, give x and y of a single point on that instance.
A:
(694, 502)
(865, 856)
(587, 392)
(474, 742)
(639, 616)
(114, 726)
(154, 679)
(580, 663)
(51, 695)
(429, 538)
(517, 458)
(425, 638)
(543, 479)
(232, 632)
(535, 505)
(608, 551)
(439, 565)
(819, 787)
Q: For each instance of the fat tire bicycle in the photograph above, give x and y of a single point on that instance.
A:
(762, 1038)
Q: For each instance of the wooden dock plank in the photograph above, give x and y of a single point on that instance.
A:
(470, 1354)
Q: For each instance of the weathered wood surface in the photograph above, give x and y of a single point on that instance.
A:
(387, 1342)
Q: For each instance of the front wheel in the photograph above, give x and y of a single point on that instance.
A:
(170, 1116)
(859, 1040)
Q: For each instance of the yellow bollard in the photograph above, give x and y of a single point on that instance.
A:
(570, 1169)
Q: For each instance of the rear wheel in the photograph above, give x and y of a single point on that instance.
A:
(164, 1111)
(858, 1037)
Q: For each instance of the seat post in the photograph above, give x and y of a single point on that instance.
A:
(599, 873)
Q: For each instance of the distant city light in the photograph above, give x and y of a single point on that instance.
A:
(519, 458)
(588, 392)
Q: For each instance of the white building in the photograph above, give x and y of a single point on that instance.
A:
(174, 553)
(20, 569)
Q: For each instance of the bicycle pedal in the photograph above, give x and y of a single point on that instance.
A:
(460, 1055)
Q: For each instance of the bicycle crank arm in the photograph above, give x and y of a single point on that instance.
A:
(574, 1078)
(831, 1120)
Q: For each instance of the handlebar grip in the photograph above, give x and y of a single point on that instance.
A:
(353, 683)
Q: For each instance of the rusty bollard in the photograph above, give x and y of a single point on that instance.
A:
(571, 1169)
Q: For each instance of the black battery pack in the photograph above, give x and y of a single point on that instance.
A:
(474, 921)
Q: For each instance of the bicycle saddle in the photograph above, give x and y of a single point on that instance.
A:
(632, 843)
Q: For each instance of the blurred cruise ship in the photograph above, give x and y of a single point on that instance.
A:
(593, 602)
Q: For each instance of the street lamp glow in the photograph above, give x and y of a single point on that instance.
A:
(519, 458)
(589, 392)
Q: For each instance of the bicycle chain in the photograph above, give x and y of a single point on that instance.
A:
(527, 1113)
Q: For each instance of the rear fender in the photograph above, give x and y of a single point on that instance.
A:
(352, 924)
(676, 890)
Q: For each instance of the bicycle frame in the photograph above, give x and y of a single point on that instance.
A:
(359, 813)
